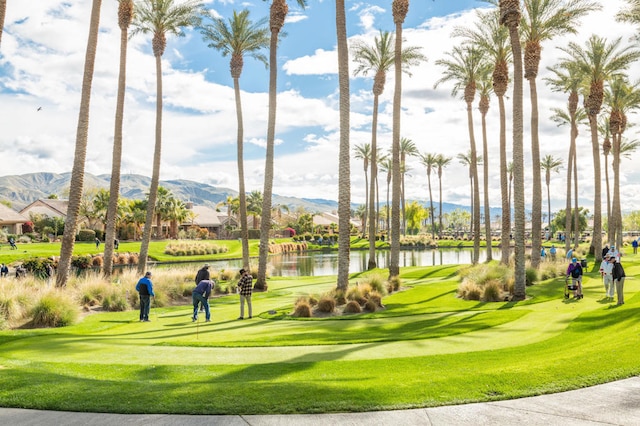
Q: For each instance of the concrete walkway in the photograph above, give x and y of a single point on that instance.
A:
(616, 403)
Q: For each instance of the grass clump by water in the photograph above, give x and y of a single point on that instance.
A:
(487, 282)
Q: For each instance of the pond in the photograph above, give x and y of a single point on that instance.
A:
(319, 263)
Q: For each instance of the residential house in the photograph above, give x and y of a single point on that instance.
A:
(11, 221)
(218, 223)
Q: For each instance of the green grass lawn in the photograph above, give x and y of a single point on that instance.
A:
(427, 348)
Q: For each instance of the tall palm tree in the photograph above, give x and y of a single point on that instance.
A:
(399, 8)
(160, 18)
(621, 97)
(378, 59)
(605, 134)
(542, 21)
(463, 67)
(407, 148)
(597, 62)
(485, 89)
(125, 16)
(278, 12)
(466, 159)
(510, 17)
(363, 152)
(549, 164)
(430, 161)
(344, 167)
(177, 214)
(441, 163)
(254, 206)
(3, 10)
(493, 40)
(567, 79)
(239, 38)
(77, 173)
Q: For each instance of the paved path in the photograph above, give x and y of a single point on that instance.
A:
(616, 403)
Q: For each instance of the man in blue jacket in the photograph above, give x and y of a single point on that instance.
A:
(145, 291)
(200, 296)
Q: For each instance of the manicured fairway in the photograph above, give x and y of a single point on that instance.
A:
(426, 348)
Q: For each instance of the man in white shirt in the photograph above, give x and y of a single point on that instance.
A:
(606, 270)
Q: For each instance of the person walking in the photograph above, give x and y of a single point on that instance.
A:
(543, 255)
(634, 244)
(4, 270)
(97, 240)
(203, 274)
(606, 271)
(145, 291)
(200, 296)
(618, 279)
(575, 271)
(245, 286)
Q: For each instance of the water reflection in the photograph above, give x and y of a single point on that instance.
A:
(326, 263)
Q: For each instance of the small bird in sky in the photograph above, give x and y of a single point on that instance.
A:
(39, 108)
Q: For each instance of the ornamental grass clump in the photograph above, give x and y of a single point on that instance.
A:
(354, 294)
(352, 307)
(493, 279)
(302, 308)
(326, 304)
(377, 283)
(115, 300)
(55, 309)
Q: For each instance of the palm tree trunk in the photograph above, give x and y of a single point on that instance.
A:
(114, 189)
(505, 240)
(440, 206)
(366, 203)
(576, 210)
(476, 186)
(344, 174)
(596, 242)
(3, 10)
(242, 193)
(487, 210)
(611, 230)
(261, 280)
(373, 191)
(433, 226)
(82, 132)
(567, 219)
(518, 166)
(155, 176)
(615, 209)
(536, 202)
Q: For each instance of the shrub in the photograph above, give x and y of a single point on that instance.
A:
(326, 304)
(370, 306)
(115, 300)
(302, 310)
(531, 276)
(469, 290)
(377, 283)
(352, 307)
(340, 297)
(492, 291)
(395, 283)
(86, 235)
(54, 310)
(355, 294)
(376, 298)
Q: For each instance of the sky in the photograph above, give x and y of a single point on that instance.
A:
(41, 65)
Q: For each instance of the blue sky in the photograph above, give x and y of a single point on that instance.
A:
(41, 62)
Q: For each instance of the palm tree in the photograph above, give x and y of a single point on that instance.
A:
(567, 79)
(466, 160)
(161, 208)
(254, 206)
(485, 89)
(549, 164)
(542, 21)
(160, 18)
(344, 167)
(493, 40)
(510, 17)
(597, 62)
(378, 59)
(464, 67)
(363, 152)
(136, 214)
(605, 133)
(621, 97)
(125, 16)
(430, 161)
(441, 163)
(77, 173)
(631, 14)
(407, 148)
(386, 165)
(3, 10)
(177, 213)
(278, 13)
(239, 38)
(399, 8)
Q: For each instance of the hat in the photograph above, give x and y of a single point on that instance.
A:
(574, 260)
(206, 266)
(148, 274)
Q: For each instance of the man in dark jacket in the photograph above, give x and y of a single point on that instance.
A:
(245, 286)
(145, 291)
(203, 274)
(618, 279)
(200, 296)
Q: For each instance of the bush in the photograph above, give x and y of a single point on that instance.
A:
(116, 300)
(352, 307)
(492, 291)
(531, 276)
(302, 310)
(376, 298)
(469, 290)
(395, 283)
(377, 283)
(54, 310)
(370, 306)
(86, 235)
(326, 304)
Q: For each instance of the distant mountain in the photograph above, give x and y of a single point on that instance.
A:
(22, 190)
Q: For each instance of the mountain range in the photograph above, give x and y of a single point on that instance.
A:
(22, 190)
